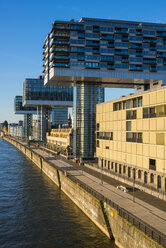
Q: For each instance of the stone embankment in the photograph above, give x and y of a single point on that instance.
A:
(130, 224)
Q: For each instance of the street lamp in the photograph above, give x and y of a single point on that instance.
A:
(101, 170)
(134, 169)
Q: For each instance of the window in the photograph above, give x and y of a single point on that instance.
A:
(128, 125)
(108, 165)
(112, 165)
(129, 172)
(139, 101)
(128, 104)
(152, 112)
(145, 112)
(151, 178)
(124, 169)
(139, 137)
(115, 107)
(120, 168)
(159, 182)
(134, 174)
(124, 105)
(107, 147)
(131, 114)
(116, 167)
(139, 174)
(135, 102)
(105, 164)
(152, 164)
(97, 143)
(98, 126)
(145, 177)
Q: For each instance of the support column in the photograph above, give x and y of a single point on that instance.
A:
(85, 99)
(27, 126)
(44, 124)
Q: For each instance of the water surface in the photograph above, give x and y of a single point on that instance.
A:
(34, 213)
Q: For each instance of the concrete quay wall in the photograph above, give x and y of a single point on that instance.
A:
(107, 218)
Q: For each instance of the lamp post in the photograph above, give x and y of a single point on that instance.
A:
(134, 184)
(101, 170)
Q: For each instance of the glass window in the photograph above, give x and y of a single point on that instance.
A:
(151, 178)
(128, 125)
(124, 105)
(140, 101)
(134, 103)
(139, 174)
(152, 164)
(124, 169)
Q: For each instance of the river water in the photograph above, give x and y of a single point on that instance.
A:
(34, 213)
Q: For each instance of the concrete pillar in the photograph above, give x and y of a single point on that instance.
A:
(44, 124)
(27, 126)
(84, 138)
(163, 183)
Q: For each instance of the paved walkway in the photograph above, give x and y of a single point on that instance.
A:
(144, 211)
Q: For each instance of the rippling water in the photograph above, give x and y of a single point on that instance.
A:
(34, 213)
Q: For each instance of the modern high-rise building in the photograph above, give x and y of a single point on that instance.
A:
(131, 138)
(102, 53)
(36, 94)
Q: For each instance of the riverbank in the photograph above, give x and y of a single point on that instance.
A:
(116, 215)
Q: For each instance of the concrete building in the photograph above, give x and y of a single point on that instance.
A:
(131, 137)
(94, 53)
(60, 139)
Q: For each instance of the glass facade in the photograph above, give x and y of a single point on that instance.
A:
(18, 108)
(34, 90)
(85, 99)
(70, 42)
(59, 116)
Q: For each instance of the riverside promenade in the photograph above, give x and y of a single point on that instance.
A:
(152, 217)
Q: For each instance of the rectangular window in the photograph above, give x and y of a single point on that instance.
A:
(124, 105)
(98, 126)
(134, 103)
(140, 101)
(112, 165)
(152, 164)
(107, 147)
(131, 114)
(146, 113)
(124, 169)
(152, 112)
(115, 106)
(128, 125)
(139, 137)
(97, 143)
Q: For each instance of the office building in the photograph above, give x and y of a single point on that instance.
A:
(131, 137)
(104, 53)
(60, 139)
(36, 94)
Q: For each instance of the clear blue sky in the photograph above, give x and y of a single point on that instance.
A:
(25, 24)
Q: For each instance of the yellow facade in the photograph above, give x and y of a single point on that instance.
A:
(131, 132)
